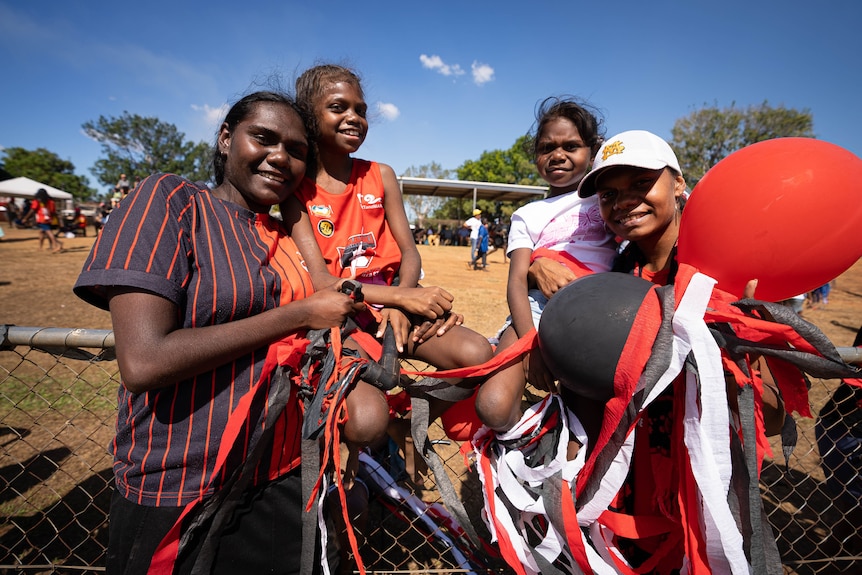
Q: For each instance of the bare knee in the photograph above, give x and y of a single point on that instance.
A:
(476, 350)
(498, 401)
(467, 348)
(496, 406)
(367, 415)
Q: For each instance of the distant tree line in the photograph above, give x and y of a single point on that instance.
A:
(131, 145)
(706, 136)
(138, 146)
(700, 140)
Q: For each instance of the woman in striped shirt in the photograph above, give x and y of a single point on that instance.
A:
(199, 283)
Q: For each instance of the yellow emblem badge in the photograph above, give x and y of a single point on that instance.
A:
(325, 228)
(612, 148)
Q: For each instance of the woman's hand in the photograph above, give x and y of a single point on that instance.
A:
(549, 275)
(328, 307)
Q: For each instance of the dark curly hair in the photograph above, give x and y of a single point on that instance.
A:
(585, 117)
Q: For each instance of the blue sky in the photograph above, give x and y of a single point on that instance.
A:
(446, 80)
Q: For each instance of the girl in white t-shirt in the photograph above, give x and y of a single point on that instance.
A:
(565, 232)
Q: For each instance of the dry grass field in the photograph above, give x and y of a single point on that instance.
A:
(35, 290)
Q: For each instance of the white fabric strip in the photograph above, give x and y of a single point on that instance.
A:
(611, 483)
(707, 430)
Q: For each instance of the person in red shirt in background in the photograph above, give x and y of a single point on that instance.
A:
(44, 212)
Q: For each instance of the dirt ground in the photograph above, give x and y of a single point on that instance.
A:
(36, 288)
(36, 291)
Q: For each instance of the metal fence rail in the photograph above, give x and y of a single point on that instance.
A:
(57, 409)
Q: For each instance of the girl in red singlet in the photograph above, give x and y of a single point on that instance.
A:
(351, 212)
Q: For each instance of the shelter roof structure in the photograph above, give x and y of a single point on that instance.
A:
(26, 188)
(470, 190)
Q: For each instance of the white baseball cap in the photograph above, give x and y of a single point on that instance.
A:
(634, 148)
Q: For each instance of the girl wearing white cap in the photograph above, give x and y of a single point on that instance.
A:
(641, 191)
(664, 479)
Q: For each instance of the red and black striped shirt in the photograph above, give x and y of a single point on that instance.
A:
(218, 262)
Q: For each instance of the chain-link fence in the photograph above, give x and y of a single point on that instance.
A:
(57, 409)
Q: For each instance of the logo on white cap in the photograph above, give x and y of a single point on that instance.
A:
(634, 148)
(609, 150)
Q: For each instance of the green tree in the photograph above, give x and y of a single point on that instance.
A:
(706, 136)
(432, 170)
(138, 146)
(422, 206)
(512, 166)
(47, 167)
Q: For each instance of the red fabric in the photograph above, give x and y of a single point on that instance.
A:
(658, 278)
(165, 555)
(635, 527)
(790, 382)
(399, 403)
(575, 265)
(368, 343)
(44, 212)
(507, 549)
(629, 369)
(352, 218)
(574, 538)
(460, 422)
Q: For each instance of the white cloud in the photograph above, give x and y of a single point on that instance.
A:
(212, 116)
(205, 122)
(388, 111)
(482, 73)
(436, 63)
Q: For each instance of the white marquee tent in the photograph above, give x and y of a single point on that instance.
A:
(26, 188)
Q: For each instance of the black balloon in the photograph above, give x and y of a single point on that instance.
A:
(584, 328)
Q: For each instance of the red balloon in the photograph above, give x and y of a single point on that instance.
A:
(786, 212)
